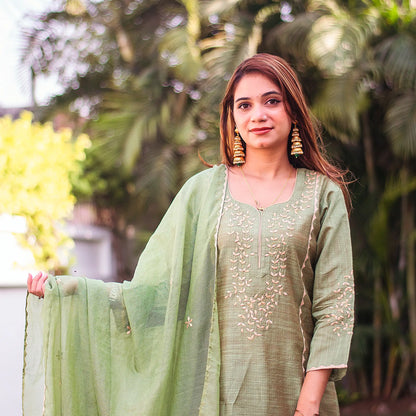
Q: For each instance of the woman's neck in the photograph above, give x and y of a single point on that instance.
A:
(266, 165)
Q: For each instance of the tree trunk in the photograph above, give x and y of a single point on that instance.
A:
(369, 154)
(407, 260)
(411, 280)
(391, 365)
(403, 372)
(33, 88)
(394, 351)
(363, 383)
(377, 345)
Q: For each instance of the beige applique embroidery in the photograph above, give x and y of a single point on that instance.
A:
(341, 314)
(257, 308)
(188, 322)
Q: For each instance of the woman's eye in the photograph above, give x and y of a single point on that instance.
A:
(273, 101)
(243, 106)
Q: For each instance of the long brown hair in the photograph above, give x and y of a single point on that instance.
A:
(280, 73)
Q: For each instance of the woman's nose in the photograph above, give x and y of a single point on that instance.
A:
(258, 113)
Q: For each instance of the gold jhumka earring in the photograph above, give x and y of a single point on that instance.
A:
(296, 141)
(239, 157)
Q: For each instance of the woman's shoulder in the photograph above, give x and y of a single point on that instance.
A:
(198, 185)
(327, 192)
(206, 176)
(325, 183)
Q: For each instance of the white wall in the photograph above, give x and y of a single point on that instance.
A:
(12, 318)
(92, 255)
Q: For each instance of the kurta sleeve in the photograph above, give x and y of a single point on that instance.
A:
(333, 290)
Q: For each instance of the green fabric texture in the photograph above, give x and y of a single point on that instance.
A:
(151, 347)
(146, 347)
(285, 298)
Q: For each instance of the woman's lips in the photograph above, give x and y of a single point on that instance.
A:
(260, 130)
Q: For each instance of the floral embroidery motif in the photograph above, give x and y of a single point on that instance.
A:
(188, 322)
(258, 305)
(341, 314)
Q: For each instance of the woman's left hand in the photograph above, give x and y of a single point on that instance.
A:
(312, 391)
(36, 284)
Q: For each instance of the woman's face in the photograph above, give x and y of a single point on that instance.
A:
(259, 113)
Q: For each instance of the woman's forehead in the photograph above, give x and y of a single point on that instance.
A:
(254, 85)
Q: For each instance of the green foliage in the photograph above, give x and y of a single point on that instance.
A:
(35, 168)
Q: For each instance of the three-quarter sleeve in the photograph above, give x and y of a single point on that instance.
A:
(333, 290)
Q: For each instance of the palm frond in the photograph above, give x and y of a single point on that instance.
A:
(292, 37)
(400, 125)
(218, 7)
(336, 43)
(157, 180)
(397, 55)
(339, 104)
(180, 53)
(222, 53)
(379, 225)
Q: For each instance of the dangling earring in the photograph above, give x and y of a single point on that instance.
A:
(239, 157)
(296, 142)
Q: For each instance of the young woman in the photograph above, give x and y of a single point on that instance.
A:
(242, 302)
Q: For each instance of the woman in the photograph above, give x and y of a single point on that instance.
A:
(241, 303)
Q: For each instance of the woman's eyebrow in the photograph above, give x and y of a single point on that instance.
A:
(266, 94)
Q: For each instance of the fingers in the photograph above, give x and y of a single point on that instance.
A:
(29, 281)
(40, 287)
(36, 284)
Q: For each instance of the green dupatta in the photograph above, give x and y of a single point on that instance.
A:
(146, 347)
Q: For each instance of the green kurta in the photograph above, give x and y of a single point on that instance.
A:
(282, 273)
(151, 347)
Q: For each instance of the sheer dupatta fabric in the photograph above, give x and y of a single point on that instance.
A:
(146, 347)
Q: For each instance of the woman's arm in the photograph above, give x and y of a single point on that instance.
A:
(312, 391)
(332, 302)
(36, 284)
(333, 288)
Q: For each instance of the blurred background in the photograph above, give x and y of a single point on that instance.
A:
(106, 107)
